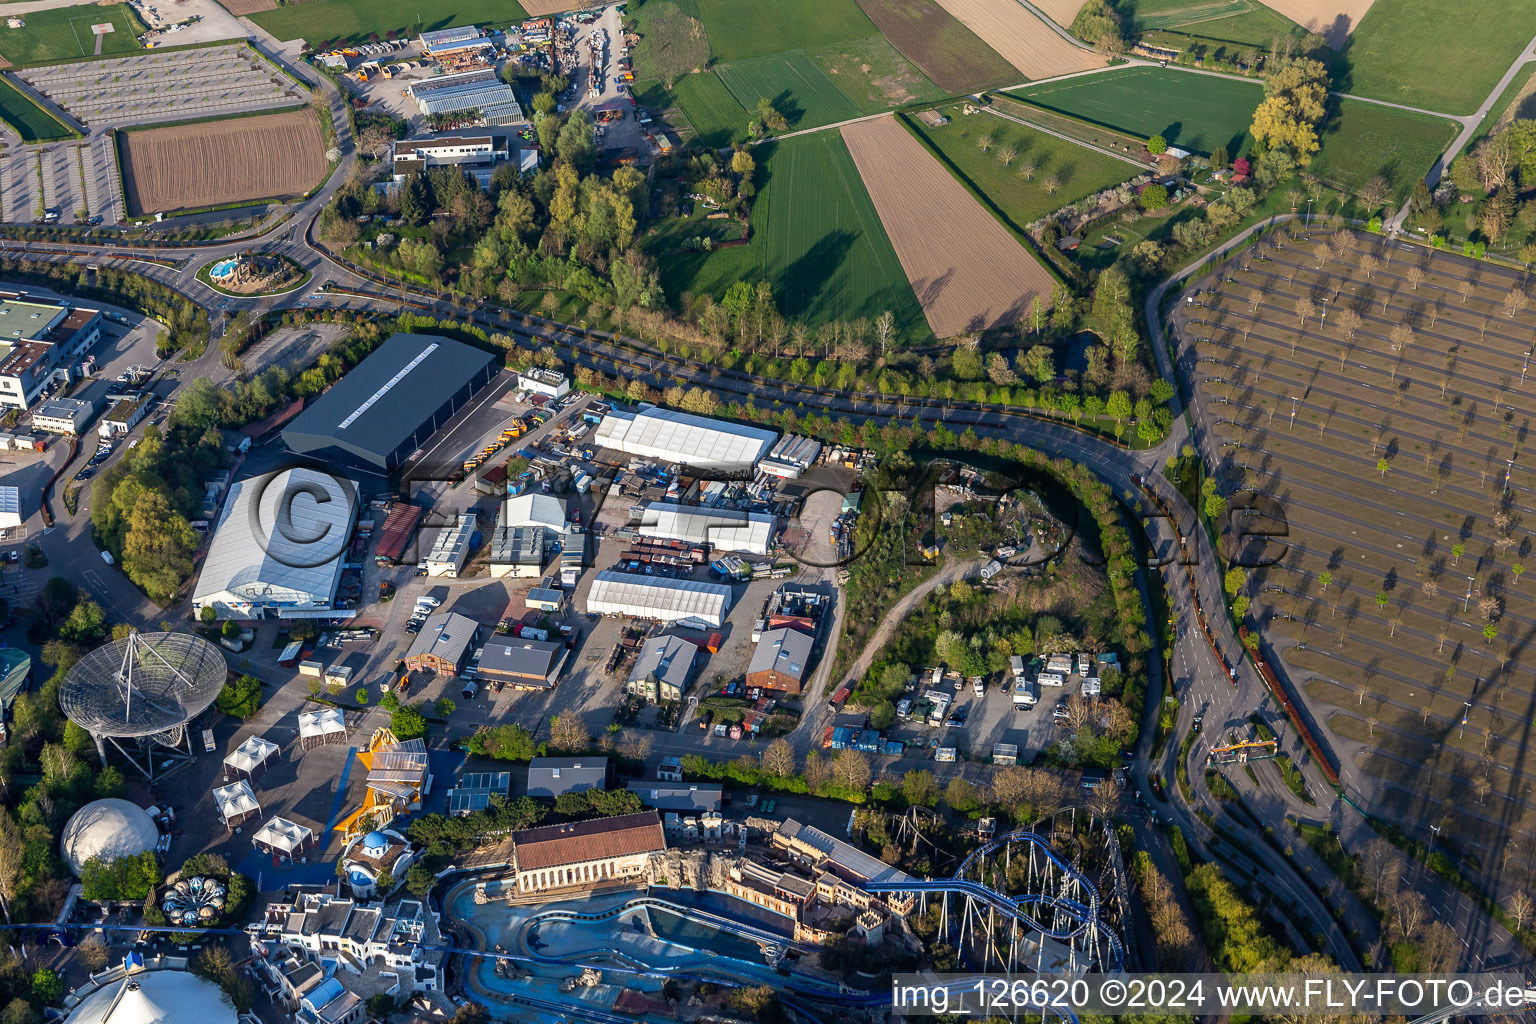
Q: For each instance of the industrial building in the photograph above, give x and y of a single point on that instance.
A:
(534, 509)
(662, 668)
(670, 436)
(124, 416)
(524, 664)
(253, 572)
(684, 797)
(63, 416)
(451, 547)
(443, 644)
(391, 403)
(781, 660)
(475, 155)
(517, 552)
(686, 602)
(792, 456)
(10, 508)
(469, 90)
(540, 381)
(722, 529)
(39, 341)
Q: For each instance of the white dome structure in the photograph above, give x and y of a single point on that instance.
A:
(155, 997)
(107, 829)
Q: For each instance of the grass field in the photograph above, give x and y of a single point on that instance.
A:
(739, 29)
(1362, 140)
(27, 119)
(1194, 112)
(1516, 102)
(948, 52)
(1079, 171)
(354, 21)
(65, 32)
(815, 237)
(798, 89)
(716, 116)
(874, 75)
(1434, 55)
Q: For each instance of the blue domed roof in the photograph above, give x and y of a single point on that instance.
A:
(374, 840)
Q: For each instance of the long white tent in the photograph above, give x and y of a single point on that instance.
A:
(688, 602)
(671, 436)
(721, 528)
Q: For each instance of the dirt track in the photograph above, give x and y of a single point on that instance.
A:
(1023, 39)
(187, 167)
(968, 272)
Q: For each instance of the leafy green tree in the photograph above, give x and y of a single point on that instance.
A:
(47, 987)
(407, 723)
(1234, 581)
(240, 698)
(1157, 145)
(444, 707)
(419, 880)
(388, 701)
(1154, 197)
(503, 742)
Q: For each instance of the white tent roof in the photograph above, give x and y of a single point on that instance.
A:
(724, 529)
(156, 997)
(265, 546)
(108, 829)
(321, 723)
(282, 834)
(248, 756)
(235, 800)
(673, 436)
(651, 597)
(533, 510)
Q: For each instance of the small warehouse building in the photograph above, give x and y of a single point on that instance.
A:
(443, 645)
(451, 547)
(399, 526)
(534, 509)
(469, 90)
(540, 381)
(781, 660)
(391, 402)
(10, 508)
(548, 777)
(522, 664)
(124, 416)
(464, 39)
(668, 436)
(682, 797)
(245, 577)
(63, 416)
(517, 552)
(586, 852)
(686, 602)
(722, 529)
(661, 670)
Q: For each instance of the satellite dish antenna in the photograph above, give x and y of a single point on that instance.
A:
(145, 688)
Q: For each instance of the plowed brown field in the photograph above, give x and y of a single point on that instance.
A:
(187, 167)
(1062, 12)
(1025, 41)
(1321, 16)
(968, 272)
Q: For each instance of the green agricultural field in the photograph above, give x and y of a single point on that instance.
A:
(1433, 54)
(356, 21)
(1516, 102)
(815, 237)
(1077, 171)
(1194, 112)
(65, 33)
(1244, 22)
(739, 29)
(1361, 140)
(27, 119)
(941, 45)
(798, 89)
(716, 117)
(874, 75)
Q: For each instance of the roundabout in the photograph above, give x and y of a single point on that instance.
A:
(250, 274)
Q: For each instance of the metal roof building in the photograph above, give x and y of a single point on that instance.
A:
(723, 529)
(781, 660)
(443, 643)
(548, 777)
(533, 509)
(654, 597)
(672, 436)
(526, 664)
(254, 569)
(685, 797)
(10, 507)
(454, 40)
(471, 90)
(391, 402)
(662, 667)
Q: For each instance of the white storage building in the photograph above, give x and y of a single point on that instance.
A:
(687, 602)
(10, 508)
(722, 528)
(671, 436)
(255, 569)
